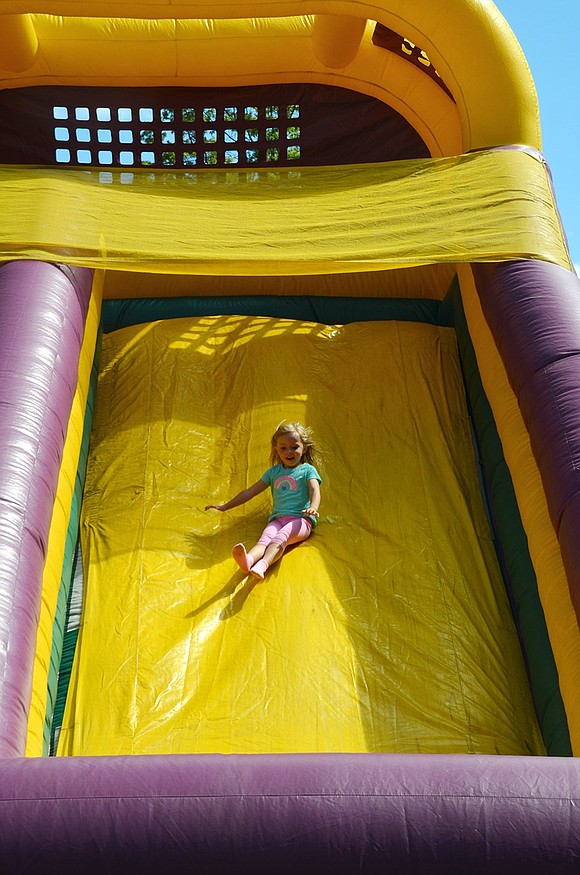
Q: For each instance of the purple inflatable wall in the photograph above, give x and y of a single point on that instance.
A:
(314, 815)
(42, 319)
(533, 311)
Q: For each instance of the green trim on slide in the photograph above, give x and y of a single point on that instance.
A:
(324, 309)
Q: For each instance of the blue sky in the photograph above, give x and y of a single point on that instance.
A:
(548, 34)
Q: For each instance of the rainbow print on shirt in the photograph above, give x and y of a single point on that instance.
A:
(285, 483)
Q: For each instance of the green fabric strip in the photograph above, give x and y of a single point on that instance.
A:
(326, 310)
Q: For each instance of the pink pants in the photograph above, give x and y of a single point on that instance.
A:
(285, 530)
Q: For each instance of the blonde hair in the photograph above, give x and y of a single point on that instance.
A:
(300, 431)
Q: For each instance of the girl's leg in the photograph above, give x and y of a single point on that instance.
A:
(271, 555)
(246, 559)
(293, 530)
(256, 552)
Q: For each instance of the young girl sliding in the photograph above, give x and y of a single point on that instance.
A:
(295, 485)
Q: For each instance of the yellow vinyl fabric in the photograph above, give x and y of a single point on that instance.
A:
(388, 630)
(488, 206)
(428, 281)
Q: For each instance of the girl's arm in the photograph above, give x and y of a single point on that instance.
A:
(314, 492)
(241, 497)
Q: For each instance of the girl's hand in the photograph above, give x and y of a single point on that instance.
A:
(215, 507)
(310, 511)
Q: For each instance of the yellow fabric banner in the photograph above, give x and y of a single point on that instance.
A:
(488, 206)
(388, 630)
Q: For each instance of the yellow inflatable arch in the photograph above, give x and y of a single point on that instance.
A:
(469, 45)
(217, 217)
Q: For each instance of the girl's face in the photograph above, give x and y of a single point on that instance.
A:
(290, 450)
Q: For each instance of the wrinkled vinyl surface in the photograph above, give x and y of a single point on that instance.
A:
(315, 220)
(389, 630)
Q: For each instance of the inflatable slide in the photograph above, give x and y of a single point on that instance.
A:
(216, 218)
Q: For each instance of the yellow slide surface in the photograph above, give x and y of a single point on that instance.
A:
(388, 630)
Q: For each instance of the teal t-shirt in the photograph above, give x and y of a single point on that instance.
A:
(290, 495)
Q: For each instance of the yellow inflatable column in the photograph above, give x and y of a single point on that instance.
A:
(18, 42)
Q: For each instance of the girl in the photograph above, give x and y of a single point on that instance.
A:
(295, 485)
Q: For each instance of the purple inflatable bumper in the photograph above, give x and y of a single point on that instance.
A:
(316, 815)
